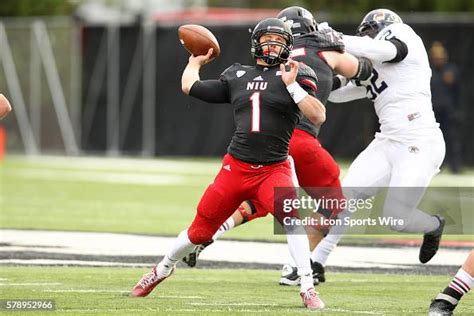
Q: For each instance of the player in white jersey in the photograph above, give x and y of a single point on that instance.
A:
(410, 147)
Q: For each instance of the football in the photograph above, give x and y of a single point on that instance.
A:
(5, 106)
(197, 40)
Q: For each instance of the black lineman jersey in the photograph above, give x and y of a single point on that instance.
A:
(265, 115)
(307, 48)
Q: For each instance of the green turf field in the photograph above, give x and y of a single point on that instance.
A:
(141, 196)
(99, 291)
(159, 197)
(116, 195)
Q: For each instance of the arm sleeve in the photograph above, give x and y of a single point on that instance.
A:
(402, 50)
(212, 91)
(376, 50)
(364, 70)
(338, 81)
(348, 93)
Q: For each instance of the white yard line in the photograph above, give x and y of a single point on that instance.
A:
(181, 297)
(220, 311)
(102, 177)
(123, 164)
(341, 310)
(194, 311)
(229, 304)
(110, 244)
(85, 291)
(158, 310)
(30, 284)
(174, 167)
(54, 262)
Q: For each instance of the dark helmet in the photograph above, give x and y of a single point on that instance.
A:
(375, 21)
(271, 26)
(303, 21)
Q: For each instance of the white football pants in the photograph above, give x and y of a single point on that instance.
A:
(389, 163)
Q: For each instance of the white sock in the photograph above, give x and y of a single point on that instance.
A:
(414, 221)
(181, 248)
(324, 248)
(401, 203)
(306, 282)
(165, 266)
(228, 225)
(462, 282)
(430, 223)
(327, 244)
(298, 245)
(290, 260)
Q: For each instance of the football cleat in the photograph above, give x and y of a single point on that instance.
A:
(311, 299)
(318, 272)
(191, 259)
(441, 308)
(148, 282)
(431, 241)
(290, 277)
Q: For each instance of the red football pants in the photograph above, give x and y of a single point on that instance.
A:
(315, 169)
(236, 182)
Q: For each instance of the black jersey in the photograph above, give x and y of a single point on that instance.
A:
(307, 48)
(264, 113)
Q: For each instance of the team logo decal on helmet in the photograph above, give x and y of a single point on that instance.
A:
(271, 26)
(302, 21)
(375, 21)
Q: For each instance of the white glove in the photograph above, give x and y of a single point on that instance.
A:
(324, 26)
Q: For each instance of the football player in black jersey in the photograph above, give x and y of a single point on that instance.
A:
(268, 101)
(316, 169)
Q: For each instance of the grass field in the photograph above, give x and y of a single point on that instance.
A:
(134, 196)
(226, 292)
(156, 197)
(159, 197)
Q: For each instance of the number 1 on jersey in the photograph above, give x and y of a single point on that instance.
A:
(255, 98)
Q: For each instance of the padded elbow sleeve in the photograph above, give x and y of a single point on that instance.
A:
(402, 50)
(364, 71)
(336, 83)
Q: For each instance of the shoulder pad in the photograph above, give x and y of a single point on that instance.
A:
(231, 68)
(399, 30)
(306, 71)
(307, 78)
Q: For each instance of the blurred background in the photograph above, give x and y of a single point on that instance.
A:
(101, 140)
(102, 77)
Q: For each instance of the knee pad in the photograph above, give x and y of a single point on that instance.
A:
(210, 215)
(201, 230)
